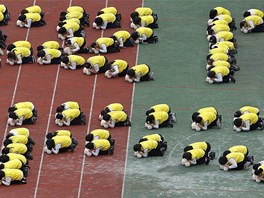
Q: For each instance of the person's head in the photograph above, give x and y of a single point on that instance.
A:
(7, 141)
(50, 143)
(137, 147)
(2, 166)
(5, 150)
(210, 61)
(100, 12)
(255, 166)
(106, 117)
(198, 119)
(209, 27)
(187, 148)
(2, 174)
(149, 111)
(194, 115)
(59, 116)
(187, 156)
(213, 40)
(61, 23)
(65, 60)
(89, 137)
(13, 115)
(243, 24)
(131, 73)
(103, 112)
(4, 158)
(208, 57)
(150, 119)
(143, 140)
(63, 13)
(246, 14)
(211, 74)
(11, 56)
(11, 109)
(62, 31)
(99, 21)
(211, 32)
(137, 20)
(238, 122)
(87, 65)
(237, 114)
(50, 135)
(9, 135)
(225, 153)
(94, 45)
(134, 15)
(212, 13)
(135, 35)
(40, 47)
(10, 47)
(89, 145)
(41, 54)
(258, 172)
(24, 11)
(222, 160)
(22, 17)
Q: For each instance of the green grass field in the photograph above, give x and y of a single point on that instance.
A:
(178, 61)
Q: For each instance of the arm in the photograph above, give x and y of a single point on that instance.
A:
(143, 37)
(116, 70)
(28, 24)
(112, 124)
(73, 66)
(96, 152)
(96, 68)
(156, 126)
(104, 26)
(19, 59)
(218, 78)
(70, 33)
(250, 25)
(48, 59)
(145, 153)
(137, 78)
(205, 126)
(56, 149)
(76, 47)
(233, 163)
(103, 48)
(247, 126)
(67, 122)
(193, 161)
(121, 43)
(19, 121)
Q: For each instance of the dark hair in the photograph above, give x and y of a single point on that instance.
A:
(211, 74)
(22, 17)
(136, 20)
(242, 23)
(212, 14)
(13, 115)
(59, 116)
(50, 135)
(238, 122)
(100, 12)
(41, 53)
(89, 137)
(237, 114)
(209, 68)
(61, 23)
(7, 141)
(225, 153)
(63, 13)
(2, 174)
(255, 166)
(137, 147)
(4, 158)
(93, 44)
(2, 166)
(89, 145)
(99, 21)
(198, 119)
(187, 148)
(62, 30)
(10, 47)
(187, 155)
(131, 73)
(65, 60)
(11, 55)
(222, 160)
(150, 119)
(11, 109)
(5, 150)
(246, 14)
(24, 11)
(87, 65)
(106, 117)
(209, 27)
(9, 135)
(258, 171)
(135, 35)
(194, 115)
(103, 112)
(40, 47)
(50, 143)
(149, 111)
(211, 32)
(60, 109)
(208, 56)
(143, 140)
(134, 14)
(213, 39)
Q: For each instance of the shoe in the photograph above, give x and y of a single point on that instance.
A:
(173, 117)
(211, 155)
(30, 157)
(156, 39)
(207, 161)
(170, 125)
(218, 123)
(74, 142)
(23, 181)
(247, 165)
(151, 76)
(34, 119)
(250, 159)
(127, 123)
(72, 147)
(33, 59)
(112, 142)
(233, 80)
(111, 150)
(83, 120)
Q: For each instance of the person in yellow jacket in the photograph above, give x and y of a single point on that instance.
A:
(96, 64)
(252, 24)
(49, 45)
(30, 20)
(258, 174)
(99, 147)
(70, 30)
(253, 12)
(206, 120)
(246, 109)
(75, 45)
(106, 20)
(58, 144)
(235, 161)
(238, 148)
(144, 35)
(142, 11)
(19, 139)
(12, 176)
(22, 105)
(157, 137)
(117, 67)
(144, 21)
(159, 119)
(222, 57)
(220, 74)
(218, 11)
(194, 157)
(58, 133)
(5, 15)
(111, 10)
(224, 17)
(20, 55)
(98, 134)
(72, 62)
(248, 122)
(123, 39)
(18, 131)
(68, 105)
(115, 119)
(104, 45)
(18, 148)
(21, 116)
(222, 36)
(159, 107)
(149, 148)
(33, 9)
(21, 43)
(76, 12)
(70, 117)
(111, 107)
(212, 30)
(205, 109)
(49, 56)
(15, 164)
(138, 73)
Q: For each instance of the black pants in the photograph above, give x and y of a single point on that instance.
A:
(157, 151)
(28, 59)
(201, 160)
(146, 76)
(56, 60)
(39, 23)
(78, 120)
(226, 79)
(128, 43)
(151, 39)
(79, 33)
(82, 48)
(28, 121)
(113, 48)
(115, 24)
(124, 72)
(256, 125)
(154, 25)
(240, 165)
(105, 67)
(258, 28)
(165, 123)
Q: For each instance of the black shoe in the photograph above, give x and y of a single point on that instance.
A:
(170, 125)
(83, 120)
(23, 181)
(29, 157)
(127, 123)
(72, 147)
(232, 79)
(211, 155)
(111, 150)
(162, 150)
(207, 161)
(74, 142)
(112, 142)
(220, 117)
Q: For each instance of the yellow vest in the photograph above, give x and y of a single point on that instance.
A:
(73, 26)
(23, 51)
(219, 56)
(34, 9)
(1, 16)
(19, 139)
(197, 153)
(207, 116)
(161, 107)
(102, 133)
(20, 131)
(225, 35)
(145, 30)
(144, 11)
(256, 20)
(22, 44)
(78, 59)
(53, 52)
(226, 18)
(122, 34)
(221, 69)
(239, 148)
(78, 40)
(150, 145)
(221, 63)
(226, 43)
(161, 116)
(207, 109)
(218, 50)
(239, 157)
(13, 164)
(105, 40)
(142, 68)
(18, 148)
(122, 65)
(63, 133)
(74, 14)
(112, 10)
(249, 109)
(118, 116)
(147, 20)
(115, 107)
(27, 113)
(252, 117)
(51, 45)
(155, 137)
(75, 9)
(73, 20)
(221, 10)
(199, 145)
(100, 60)
(108, 17)
(35, 17)
(65, 141)
(71, 113)
(257, 12)
(72, 105)
(15, 174)
(104, 144)
(220, 27)
(217, 22)
(13, 156)
(24, 105)
(2, 8)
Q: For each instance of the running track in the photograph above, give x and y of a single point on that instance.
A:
(68, 174)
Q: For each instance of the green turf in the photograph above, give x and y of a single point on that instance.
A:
(178, 61)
